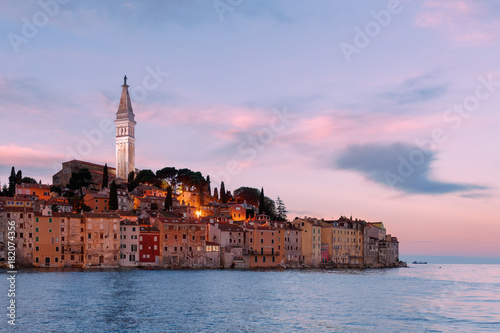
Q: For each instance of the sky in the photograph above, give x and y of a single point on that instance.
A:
(379, 110)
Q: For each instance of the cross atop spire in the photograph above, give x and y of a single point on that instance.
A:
(125, 80)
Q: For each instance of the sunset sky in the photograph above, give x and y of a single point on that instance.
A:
(383, 110)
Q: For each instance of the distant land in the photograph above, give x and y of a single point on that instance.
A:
(450, 259)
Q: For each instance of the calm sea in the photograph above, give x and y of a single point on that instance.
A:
(432, 298)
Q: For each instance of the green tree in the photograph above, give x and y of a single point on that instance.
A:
(168, 199)
(105, 177)
(270, 208)
(223, 193)
(54, 208)
(80, 179)
(262, 202)
(209, 190)
(19, 177)
(5, 191)
(12, 182)
(216, 194)
(146, 176)
(249, 194)
(113, 196)
(131, 176)
(280, 210)
(56, 189)
(28, 180)
(78, 204)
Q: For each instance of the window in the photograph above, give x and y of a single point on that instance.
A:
(50, 230)
(263, 259)
(89, 236)
(50, 219)
(56, 259)
(37, 260)
(37, 230)
(36, 239)
(184, 236)
(255, 258)
(37, 248)
(57, 248)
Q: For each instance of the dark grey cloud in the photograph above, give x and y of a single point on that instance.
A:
(404, 167)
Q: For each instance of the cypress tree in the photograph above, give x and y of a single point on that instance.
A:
(208, 182)
(168, 199)
(223, 198)
(19, 177)
(262, 202)
(105, 177)
(113, 196)
(216, 194)
(12, 182)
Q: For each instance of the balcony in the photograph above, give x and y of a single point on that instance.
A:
(266, 252)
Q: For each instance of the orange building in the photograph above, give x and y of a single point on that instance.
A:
(263, 245)
(99, 203)
(40, 190)
(47, 246)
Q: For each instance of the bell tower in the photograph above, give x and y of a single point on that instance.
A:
(125, 135)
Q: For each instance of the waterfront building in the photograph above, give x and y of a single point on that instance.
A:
(183, 241)
(102, 244)
(293, 245)
(23, 218)
(72, 239)
(149, 246)
(262, 245)
(232, 241)
(310, 229)
(47, 241)
(129, 242)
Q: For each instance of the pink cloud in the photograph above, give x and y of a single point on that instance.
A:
(466, 23)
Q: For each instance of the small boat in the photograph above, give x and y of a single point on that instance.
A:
(419, 262)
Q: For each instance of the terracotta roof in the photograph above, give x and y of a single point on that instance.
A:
(88, 163)
(33, 185)
(16, 209)
(259, 227)
(101, 215)
(179, 220)
(230, 227)
(149, 229)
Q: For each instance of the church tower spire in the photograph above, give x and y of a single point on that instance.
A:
(125, 135)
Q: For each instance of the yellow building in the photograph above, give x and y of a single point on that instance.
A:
(345, 240)
(310, 230)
